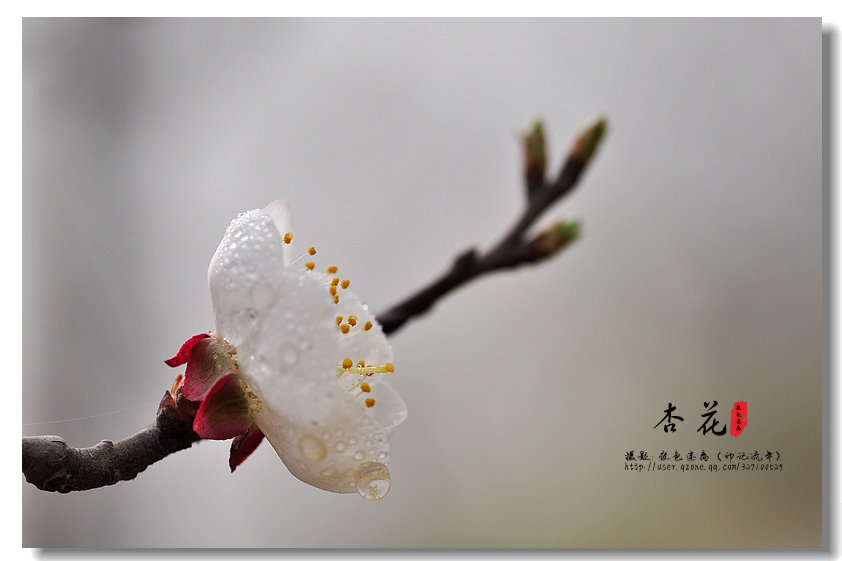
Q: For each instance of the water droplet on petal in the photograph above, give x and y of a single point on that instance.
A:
(372, 480)
(340, 446)
(359, 455)
(312, 448)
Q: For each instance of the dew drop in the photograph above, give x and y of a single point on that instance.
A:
(372, 480)
(352, 441)
(327, 472)
(312, 448)
(326, 436)
(359, 455)
(340, 446)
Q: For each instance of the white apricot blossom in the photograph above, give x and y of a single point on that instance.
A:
(296, 357)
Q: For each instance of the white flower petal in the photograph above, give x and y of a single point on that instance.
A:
(288, 357)
(248, 260)
(281, 322)
(329, 456)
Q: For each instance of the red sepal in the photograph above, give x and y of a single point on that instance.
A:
(224, 413)
(209, 362)
(185, 350)
(243, 445)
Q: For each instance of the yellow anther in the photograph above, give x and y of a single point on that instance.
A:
(369, 402)
(344, 328)
(339, 320)
(389, 367)
(288, 237)
(312, 250)
(347, 363)
(335, 299)
(309, 265)
(367, 326)
(364, 387)
(345, 283)
(335, 281)
(352, 320)
(332, 290)
(361, 363)
(332, 269)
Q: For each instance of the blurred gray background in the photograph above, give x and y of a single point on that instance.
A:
(698, 276)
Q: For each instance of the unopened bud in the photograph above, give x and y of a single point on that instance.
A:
(534, 153)
(587, 142)
(554, 239)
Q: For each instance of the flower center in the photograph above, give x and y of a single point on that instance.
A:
(346, 326)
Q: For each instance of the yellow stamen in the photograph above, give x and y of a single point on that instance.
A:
(369, 402)
(344, 328)
(361, 363)
(339, 320)
(364, 387)
(288, 237)
(332, 269)
(332, 290)
(352, 320)
(335, 281)
(347, 363)
(345, 283)
(367, 326)
(335, 299)
(309, 265)
(368, 370)
(312, 250)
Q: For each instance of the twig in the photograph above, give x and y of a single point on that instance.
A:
(51, 465)
(512, 250)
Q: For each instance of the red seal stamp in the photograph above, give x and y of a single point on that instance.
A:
(739, 418)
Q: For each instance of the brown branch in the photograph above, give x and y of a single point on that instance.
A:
(512, 250)
(51, 465)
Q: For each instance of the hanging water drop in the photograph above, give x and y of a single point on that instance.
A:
(372, 480)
